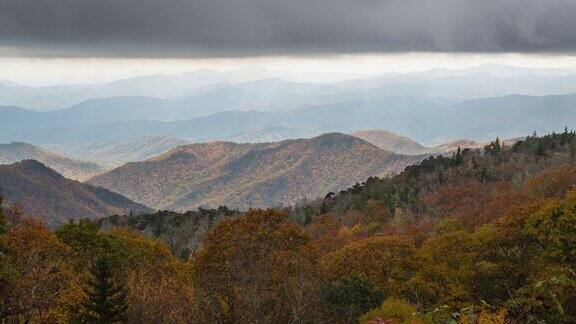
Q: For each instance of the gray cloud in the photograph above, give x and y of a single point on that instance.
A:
(211, 28)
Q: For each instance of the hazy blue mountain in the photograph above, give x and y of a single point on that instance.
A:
(43, 98)
(50, 127)
(454, 88)
(391, 141)
(163, 86)
(274, 90)
(274, 134)
(497, 70)
(512, 116)
(115, 154)
(429, 122)
(70, 168)
(214, 126)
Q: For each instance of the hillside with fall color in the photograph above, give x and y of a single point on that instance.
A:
(478, 236)
(44, 194)
(251, 175)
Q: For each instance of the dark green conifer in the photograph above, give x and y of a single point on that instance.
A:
(573, 150)
(106, 301)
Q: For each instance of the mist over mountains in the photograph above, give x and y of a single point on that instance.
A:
(73, 169)
(432, 107)
(427, 121)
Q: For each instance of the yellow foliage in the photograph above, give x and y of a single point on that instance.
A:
(485, 317)
(393, 309)
(44, 282)
(385, 260)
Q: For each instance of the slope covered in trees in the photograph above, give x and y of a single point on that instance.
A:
(482, 236)
(43, 193)
(251, 175)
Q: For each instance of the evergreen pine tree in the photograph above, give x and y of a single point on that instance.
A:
(564, 137)
(106, 302)
(308, 214)
(573, 150)
(494, 148)
(457, 157)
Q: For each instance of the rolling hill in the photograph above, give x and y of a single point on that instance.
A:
(454, 145)
(391, 142)
(47, 195)
(73, 169)
(251, 175)
(115, 154)
(404, 145)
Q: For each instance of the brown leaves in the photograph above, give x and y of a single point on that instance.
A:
(41, 275)
(257, 268)
(387, 261)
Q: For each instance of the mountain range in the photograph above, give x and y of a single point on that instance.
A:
(266, 87)
(430, 122)
(45, 194)
(251, 175)
(160, 86)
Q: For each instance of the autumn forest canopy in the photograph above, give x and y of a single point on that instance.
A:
(482, 235)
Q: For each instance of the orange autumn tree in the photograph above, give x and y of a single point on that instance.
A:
(159, 285)
(41, 283)
(387, 261)
(257, 268)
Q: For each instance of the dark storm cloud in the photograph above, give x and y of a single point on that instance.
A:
(209, 28)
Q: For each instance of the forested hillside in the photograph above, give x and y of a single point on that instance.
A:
(251, 175)
(481, 236)
(44, 194)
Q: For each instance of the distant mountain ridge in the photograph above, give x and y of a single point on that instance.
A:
(428, 122)
(403, 145)
(161, 86)
(73, 169)
(392, 142)
(251, 175)
(487, 80)
(45, 194)
(454, 145)
(115, 154)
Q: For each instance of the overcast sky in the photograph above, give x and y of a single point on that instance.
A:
(159, 34)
